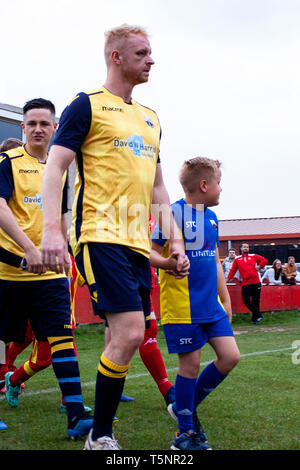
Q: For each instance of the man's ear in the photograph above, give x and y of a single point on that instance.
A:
(115, 56)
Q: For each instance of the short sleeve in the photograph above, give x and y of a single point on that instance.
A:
(6, 177)
(75, 123)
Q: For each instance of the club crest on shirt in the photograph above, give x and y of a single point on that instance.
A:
(213, 223)
(148, 121)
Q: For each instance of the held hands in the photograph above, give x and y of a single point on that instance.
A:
(179, 262)
(172, 266)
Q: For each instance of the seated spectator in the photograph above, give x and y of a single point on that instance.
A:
(289, 271)
(272, 275)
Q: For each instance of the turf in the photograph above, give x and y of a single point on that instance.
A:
(255, 408)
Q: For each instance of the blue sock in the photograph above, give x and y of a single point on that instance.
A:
(185, 392)
(207, 381)
(66, 369)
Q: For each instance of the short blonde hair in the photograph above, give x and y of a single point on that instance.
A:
(195, 170)
(115, 37)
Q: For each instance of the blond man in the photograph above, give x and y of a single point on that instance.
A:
(115, 142)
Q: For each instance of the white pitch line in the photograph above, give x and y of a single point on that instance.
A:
(145, 374)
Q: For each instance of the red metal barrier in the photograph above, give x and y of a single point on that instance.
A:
(273, 298)
(84, 312)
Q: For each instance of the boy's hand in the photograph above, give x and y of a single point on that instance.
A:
(184, 271)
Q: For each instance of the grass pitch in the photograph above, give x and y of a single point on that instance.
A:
(255, 408)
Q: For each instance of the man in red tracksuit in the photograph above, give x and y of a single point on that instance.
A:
(248, 266)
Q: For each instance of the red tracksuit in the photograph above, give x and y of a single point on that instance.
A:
(246, 264)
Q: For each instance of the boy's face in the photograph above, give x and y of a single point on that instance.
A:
(212, 195)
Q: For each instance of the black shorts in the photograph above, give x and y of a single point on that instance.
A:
(45, 303)
(119, 278)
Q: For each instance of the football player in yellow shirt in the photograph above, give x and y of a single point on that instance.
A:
(115, 142)
(35, 294)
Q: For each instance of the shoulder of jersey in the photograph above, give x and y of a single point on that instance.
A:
(211, 213)
(13, 153)
(146, 108)
(98, 91)
(87, 93)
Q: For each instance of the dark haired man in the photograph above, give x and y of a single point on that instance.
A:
(249, 266)
(41, 296)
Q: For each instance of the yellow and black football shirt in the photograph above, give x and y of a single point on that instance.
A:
(21, 185)
(117, 151)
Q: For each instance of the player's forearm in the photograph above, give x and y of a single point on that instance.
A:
(51, 196)
(9, 224)
(161, 208)
(58, 162)
(158, 261)
(162, 213)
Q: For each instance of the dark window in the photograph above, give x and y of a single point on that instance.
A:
(10, 129)
(281, 252)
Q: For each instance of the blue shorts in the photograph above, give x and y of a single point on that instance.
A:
(45, 303)
(183, 338)
(119, 278)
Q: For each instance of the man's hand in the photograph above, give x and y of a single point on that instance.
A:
(55, 254)
(34, 260)
(184, 269)
(175, 246)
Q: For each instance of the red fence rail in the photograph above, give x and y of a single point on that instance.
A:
(273, 298)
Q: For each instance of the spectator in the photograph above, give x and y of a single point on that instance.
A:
(228, 262)
(290, 271)
(249, 266)
(273, 275)
(10, 143)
